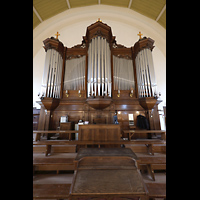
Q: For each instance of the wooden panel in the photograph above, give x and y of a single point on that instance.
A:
(148, 8)
(99, 132)
(78, 3)
(47, 8)
(73, 116)
(99, 117)
(123, 3)
(65, 126)
(41, 123)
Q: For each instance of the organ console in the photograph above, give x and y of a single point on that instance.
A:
(95, 78)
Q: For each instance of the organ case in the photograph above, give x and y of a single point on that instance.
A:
(98, 77)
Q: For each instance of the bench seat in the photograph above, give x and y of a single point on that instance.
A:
(150, 161)
(51, 191)
(48, 163)
(156, 190)
(148, 142)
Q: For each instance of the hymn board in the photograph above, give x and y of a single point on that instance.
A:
(94, 79)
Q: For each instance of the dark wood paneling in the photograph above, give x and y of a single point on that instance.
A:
(102, 132)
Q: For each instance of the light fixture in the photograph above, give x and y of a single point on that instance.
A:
(67, 94)
(131, 94)
(79, 93)
(118, 93)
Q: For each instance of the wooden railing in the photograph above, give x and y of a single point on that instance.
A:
(38, 133)
(132, 132)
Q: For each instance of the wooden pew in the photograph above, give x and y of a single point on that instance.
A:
(132, 132)
(149, 161)
(156, 190)
(149, 143)
(51, 191)
(53, 163)
(39, 132)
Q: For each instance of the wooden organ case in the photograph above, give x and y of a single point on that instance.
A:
(94, 79)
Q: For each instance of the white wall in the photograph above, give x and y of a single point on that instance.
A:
(125, 24)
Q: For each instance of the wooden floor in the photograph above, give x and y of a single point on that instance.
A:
(55, 176)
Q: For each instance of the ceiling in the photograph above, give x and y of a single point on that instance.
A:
(44, 9)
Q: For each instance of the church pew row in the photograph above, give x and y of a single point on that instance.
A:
(148, 142)
(61, 191)
(141, 148)
(55, 163)
(152, 163)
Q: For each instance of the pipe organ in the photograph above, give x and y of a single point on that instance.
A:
(99, 68)
(145, 73)
(122, 79)
(91, 80)
(51, 80)
(75, 74)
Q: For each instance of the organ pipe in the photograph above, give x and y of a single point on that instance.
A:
(123, 74)
(51, 80)
(145, 73)
(74, 78)
(99, 82)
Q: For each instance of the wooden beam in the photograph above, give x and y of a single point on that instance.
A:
(68, 4)
(35, 11)
(130, 2)
(161, 13)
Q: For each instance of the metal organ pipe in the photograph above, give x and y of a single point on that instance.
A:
(106, 79)
(123, 73)
(99, 62)
(51, 81)
(102, 66)
(89, 69)
(74, 78)
(95, 66)
(145, 73)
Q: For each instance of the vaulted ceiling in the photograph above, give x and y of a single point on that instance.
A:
(44, 9)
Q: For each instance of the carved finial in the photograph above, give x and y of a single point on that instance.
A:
(99, 20)
(57, 34)
(140, 35)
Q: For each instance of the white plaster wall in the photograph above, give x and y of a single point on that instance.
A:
(125, 24)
